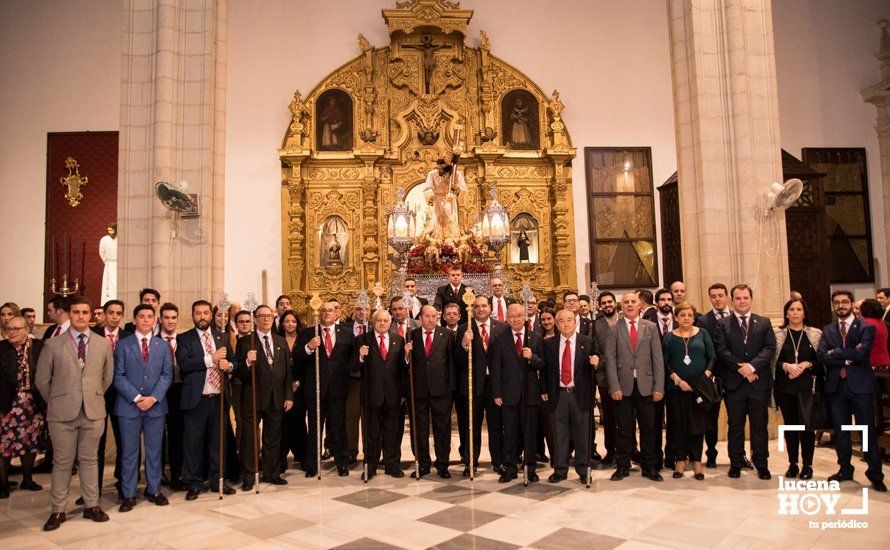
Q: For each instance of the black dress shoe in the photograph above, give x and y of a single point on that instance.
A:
(248, 485)
(277, 480)
(127, 504)
(746, 464)
(79, 501)
(423, 472)
(792, 471)
(499, 469)
(54, 521)
(763, 473)
(654, 476)
(227, 490)
(467, 472)
(533, 477)
(443, 473)
(806, 472)
(30, 486)
(711, 463)
(620, 473)
(556, 478)
(505, 478)
(596, 456)
(677, 475)
(841, 476)
(608, 460)
(735, 472)
(699, 476)
(177, 485)
(542, 458)
(370, 475)
(343, 470)
(326, 455)
(95, 513)
(353, 459)
(158, 499)
(398, 474)
(309, 473)
(192, 493)
(879, 486)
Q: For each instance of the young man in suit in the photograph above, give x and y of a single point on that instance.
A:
(850, 384)
(267, 354)
(572, 302)
(432, 355)
(647, 304)
(60, 307)
(282, 304)
(745, 343)
(143, 372)
(410, 287)
(569, 361)
(73, 372)
(149, 297)
(517, 362)
(635, 369)
(201, 357)
(359, 323)
(718, 295)
(665, 322)
(335, 347)
(381, 362)
(174, 428)
(602, 331)
(499, 301)
(453, 292)
(479, 334)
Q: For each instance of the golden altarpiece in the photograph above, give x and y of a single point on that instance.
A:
(379, 123)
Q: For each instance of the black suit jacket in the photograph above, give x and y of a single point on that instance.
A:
(834, 355)
(507, 368)
(651, 314)
(382, 378)
(192, 369)
(48, 333)
(601, 334)
(729, 342)
(708, 321)
(582, 371)
(445, 295)
(433, 375)
(482, 358)
(9, 368)
(274, 382)
(423, 302)
(333, 370)
(110, 393)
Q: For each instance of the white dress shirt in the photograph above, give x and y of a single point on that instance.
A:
(562, 348)
(495, 301)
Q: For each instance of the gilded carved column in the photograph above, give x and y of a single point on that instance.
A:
(561, 154)
(370, 217)
(728, 147)
(295, 252)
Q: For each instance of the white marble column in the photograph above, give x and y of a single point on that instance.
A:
(728, 147)
(879, 96)
(172, 129)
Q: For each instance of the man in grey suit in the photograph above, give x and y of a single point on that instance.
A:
(635, 370)
(73, 373)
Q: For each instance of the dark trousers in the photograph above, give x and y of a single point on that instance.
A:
(333, 422)
(294, 432)
(384, 431)
(607, 419)
(545, 431)
(201, 443)
(711, 434)
(664, 436)
(570, 424)
(795, 441)
(270, 454)
(843, 403)
(483, 407)
(115, 430)
(688, 447)
(173, 433)
(641, 407)
(519, 427)
(741, 403)
(438, 410)
(353, 415)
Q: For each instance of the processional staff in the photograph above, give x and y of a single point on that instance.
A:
(315, 303)
(469, 299)
(250, 304)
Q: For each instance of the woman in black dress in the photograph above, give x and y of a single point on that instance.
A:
(799, 376)
(294, 432)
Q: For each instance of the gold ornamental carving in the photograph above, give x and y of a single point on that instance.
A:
(381, 121)
(74, 182)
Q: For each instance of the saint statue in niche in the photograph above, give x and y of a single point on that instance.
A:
(334, 242)
(334, 251)
(519, 120)
(523, 243)
(334, 121)
(524, 239)
(108, 253)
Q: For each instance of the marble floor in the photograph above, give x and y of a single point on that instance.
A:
(455, 514)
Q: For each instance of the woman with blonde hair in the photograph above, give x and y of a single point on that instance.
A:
(7, 312)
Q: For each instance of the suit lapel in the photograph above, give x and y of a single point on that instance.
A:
(580, 353)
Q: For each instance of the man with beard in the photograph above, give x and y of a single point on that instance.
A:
(602, 330)
(201, 356)
(665, 321)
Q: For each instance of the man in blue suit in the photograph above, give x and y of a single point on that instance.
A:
(143, 372)
(850, 384)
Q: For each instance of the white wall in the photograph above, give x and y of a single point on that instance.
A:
(609, 60)
(825, 56)
(59, 72)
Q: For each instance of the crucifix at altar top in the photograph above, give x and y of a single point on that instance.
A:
(428, 49)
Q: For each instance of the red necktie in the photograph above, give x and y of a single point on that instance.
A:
(58, 330)
(664, 326)
(566, 371)
(382, 346)
(145, 350)
(519, 344)
(328, 345)
(81, 346)
(213, 375)
(500, 310)
(170, 344)
(113, 339)
(484, 336)
(528, 325)
(401, 330)
(428, 345)
(633, 334)
(361, 329)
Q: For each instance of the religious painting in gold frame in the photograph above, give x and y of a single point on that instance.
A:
(621, 216)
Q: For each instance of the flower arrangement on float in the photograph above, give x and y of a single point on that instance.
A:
(431, 255)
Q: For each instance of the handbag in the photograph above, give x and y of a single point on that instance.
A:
(813, 408)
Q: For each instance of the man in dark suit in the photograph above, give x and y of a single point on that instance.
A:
(451, 317)
(60, 307)
(453, 292)
(382, 366)
(282, 304)
(174, 427)
(745, 343)
(533, 316)
(479, 334)
(432, 357)
(201, 357)
(149, 297)
(665, 322)
(416, 302)
(335, 349)
(635, 369)
(647, 304)
(499, 301)
(517, 362)
(112, 331)
(569, 361)
(850, 384)
(267, 354)
(718, 295)
(572, 302)
(602, 331)
(359, 323)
